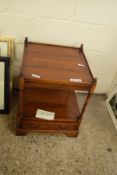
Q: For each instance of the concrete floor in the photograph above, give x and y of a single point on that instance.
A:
(93, 152)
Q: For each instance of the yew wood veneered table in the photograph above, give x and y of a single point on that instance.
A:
(59, 71)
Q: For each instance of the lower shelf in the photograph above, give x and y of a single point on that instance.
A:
(62, 102)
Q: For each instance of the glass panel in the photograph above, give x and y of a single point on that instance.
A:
(2, 69)
(113, 103)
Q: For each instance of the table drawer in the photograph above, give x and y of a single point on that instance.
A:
(49, 126)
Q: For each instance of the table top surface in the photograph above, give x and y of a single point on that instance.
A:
(52, 63)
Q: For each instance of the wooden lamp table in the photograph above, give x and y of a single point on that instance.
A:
(58, 71)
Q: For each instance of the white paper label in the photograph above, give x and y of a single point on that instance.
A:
(76, 80)
(81, 65)
(36, 76)
(42, 114)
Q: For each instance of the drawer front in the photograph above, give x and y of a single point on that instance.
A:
(37, 126)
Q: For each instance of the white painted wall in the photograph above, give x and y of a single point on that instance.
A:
(66, 22)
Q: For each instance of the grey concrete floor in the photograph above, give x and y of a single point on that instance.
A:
(93, 152)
